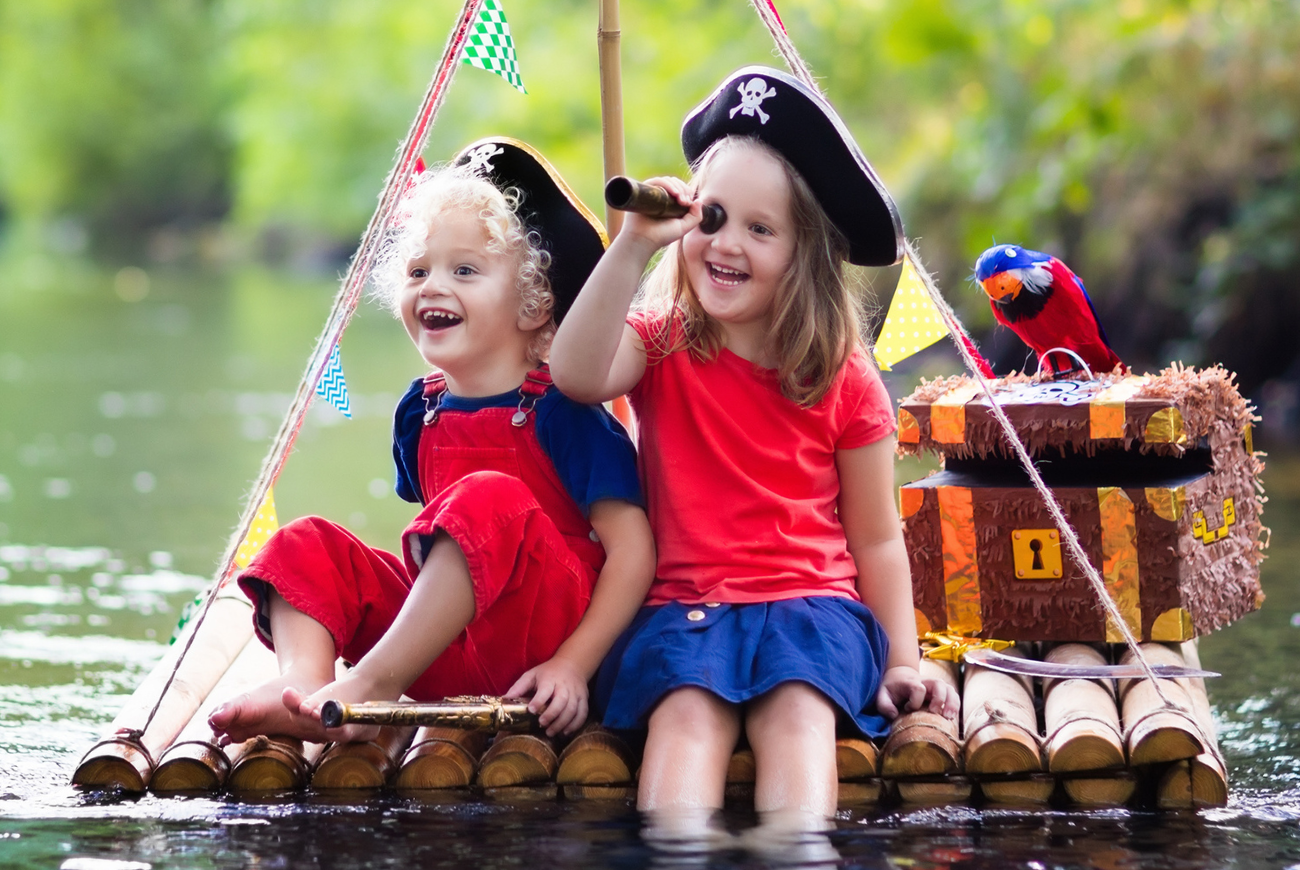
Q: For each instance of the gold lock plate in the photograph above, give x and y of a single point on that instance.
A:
(1036, 554)
(1206, 535)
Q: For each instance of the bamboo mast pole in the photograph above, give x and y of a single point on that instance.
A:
(608, 38)
(609, 35)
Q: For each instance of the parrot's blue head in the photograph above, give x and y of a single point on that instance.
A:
(1003, 270)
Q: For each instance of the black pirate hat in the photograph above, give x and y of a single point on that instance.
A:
(571, 234)
(782, 112)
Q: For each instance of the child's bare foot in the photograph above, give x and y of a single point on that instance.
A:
(351, 688)
(262, 710)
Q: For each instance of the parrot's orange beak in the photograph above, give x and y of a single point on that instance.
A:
(1002, 285)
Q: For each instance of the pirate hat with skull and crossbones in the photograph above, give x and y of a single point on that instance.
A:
(569, 231)
(782, 112)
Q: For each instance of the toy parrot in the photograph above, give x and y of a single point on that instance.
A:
(1044, 303)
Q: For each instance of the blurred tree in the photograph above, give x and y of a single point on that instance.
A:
(1149, 143)
(327, 89)
(109, 115)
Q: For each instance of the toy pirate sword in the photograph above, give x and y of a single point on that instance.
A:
(996, 661)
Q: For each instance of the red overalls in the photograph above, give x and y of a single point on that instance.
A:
(487, 483)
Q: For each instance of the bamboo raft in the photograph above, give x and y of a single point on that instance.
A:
(1019, 741)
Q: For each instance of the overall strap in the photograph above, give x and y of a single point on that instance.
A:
(435, 384)
(535, 385)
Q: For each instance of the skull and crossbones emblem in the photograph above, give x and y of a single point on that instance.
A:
(477, 161)
(752, 95)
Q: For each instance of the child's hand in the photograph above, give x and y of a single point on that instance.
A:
(559, 695)
(903, 687)
(658, 232)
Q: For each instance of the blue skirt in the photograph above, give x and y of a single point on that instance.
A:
(741, 651)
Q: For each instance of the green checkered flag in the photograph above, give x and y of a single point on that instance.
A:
(490, 46)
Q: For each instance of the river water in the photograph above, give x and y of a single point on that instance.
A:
(135, 408)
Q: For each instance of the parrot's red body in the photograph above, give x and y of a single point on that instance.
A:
(1043, 302)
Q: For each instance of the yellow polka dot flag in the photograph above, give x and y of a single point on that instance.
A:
(912, 323)
(265, 525)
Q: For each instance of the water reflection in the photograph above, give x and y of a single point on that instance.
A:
(685, 836)
(390, 832)
(790, 838)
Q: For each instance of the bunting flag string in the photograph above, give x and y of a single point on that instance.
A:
(340, 315)
(332, 386)
(912, 324)
(490, 46)
(982, 373)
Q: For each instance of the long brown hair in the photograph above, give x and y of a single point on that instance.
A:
(816, 317)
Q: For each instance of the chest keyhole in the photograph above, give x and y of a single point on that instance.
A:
(1037, 546)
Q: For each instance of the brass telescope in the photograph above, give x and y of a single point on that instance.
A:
(478, 713)
(626, 194)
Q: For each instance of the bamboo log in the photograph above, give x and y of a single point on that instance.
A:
(516, 760)
(608, 36)
(922, 743)
(271, 764)
(194, 763)
(951, 790)
(1113, 790)
(1200, 698)
(856, 759)
(1202, 781)
(595, 757)
(999, 723)
(1080, 716)
(441, 758)
(1153, 732)
(1033, 790)
(126, 757)
(191, 767)
(362, 765)
(1193, 783)
(741, 768)
(866, 792)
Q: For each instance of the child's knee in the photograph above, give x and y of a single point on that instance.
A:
(494, 487)
(791, 708)
(694, 710)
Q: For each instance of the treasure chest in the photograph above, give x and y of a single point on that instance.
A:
(1155, 473)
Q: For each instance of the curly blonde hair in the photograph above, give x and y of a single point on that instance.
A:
(816, 317)
(436, 191)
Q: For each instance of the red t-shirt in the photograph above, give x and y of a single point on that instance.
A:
(741, 484)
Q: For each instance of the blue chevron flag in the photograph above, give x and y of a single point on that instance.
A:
(333, 386)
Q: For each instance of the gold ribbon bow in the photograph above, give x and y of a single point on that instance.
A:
(952, 647)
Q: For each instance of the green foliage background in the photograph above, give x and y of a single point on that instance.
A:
(1150, 143)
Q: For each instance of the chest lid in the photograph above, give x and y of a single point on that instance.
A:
(1165, 414)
